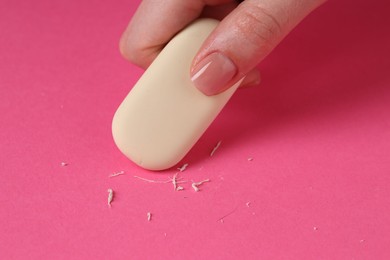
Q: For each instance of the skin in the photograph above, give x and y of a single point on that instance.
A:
(259, 25)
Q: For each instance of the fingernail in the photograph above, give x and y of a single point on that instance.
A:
(212, 74)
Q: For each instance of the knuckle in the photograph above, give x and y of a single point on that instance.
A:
(264, 28)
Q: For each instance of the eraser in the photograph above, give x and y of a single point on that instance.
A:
(164, 114)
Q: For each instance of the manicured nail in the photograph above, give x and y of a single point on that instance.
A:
(212, 74)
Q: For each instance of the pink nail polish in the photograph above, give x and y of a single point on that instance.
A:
(212, 74)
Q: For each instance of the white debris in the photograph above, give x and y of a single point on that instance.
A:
(196, 185)
(215, 148)
(183, 168)
(248, 204)
(64, 164)
(110, 197)
(153, 181)
(221, 219)
(116, 174)
(174, 181)
(250, 159)
(149, 216)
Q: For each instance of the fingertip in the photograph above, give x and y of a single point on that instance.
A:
(135, 53)
(122, 45)
(128, 50)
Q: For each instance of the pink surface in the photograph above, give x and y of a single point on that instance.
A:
(318, 130)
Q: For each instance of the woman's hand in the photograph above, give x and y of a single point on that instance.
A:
(247, 33)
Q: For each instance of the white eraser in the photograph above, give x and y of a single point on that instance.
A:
(164, 114)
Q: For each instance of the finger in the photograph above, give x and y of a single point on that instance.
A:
(243, 39)
(155, 23)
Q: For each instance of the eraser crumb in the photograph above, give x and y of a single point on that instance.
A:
(221, 219)
(110, 197)
(196, 185)
(215, 148)
(183, 168)
(64, 164)
(149, 216)
(116, 174)
(248, 204)
(250, 159)
(174, 181)
(152, 181)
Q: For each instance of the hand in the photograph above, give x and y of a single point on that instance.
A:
(247, 33)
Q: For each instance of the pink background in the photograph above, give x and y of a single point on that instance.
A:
(318, 130)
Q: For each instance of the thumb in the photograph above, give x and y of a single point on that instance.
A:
(243, 39)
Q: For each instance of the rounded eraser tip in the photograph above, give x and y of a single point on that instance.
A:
(164, 114)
